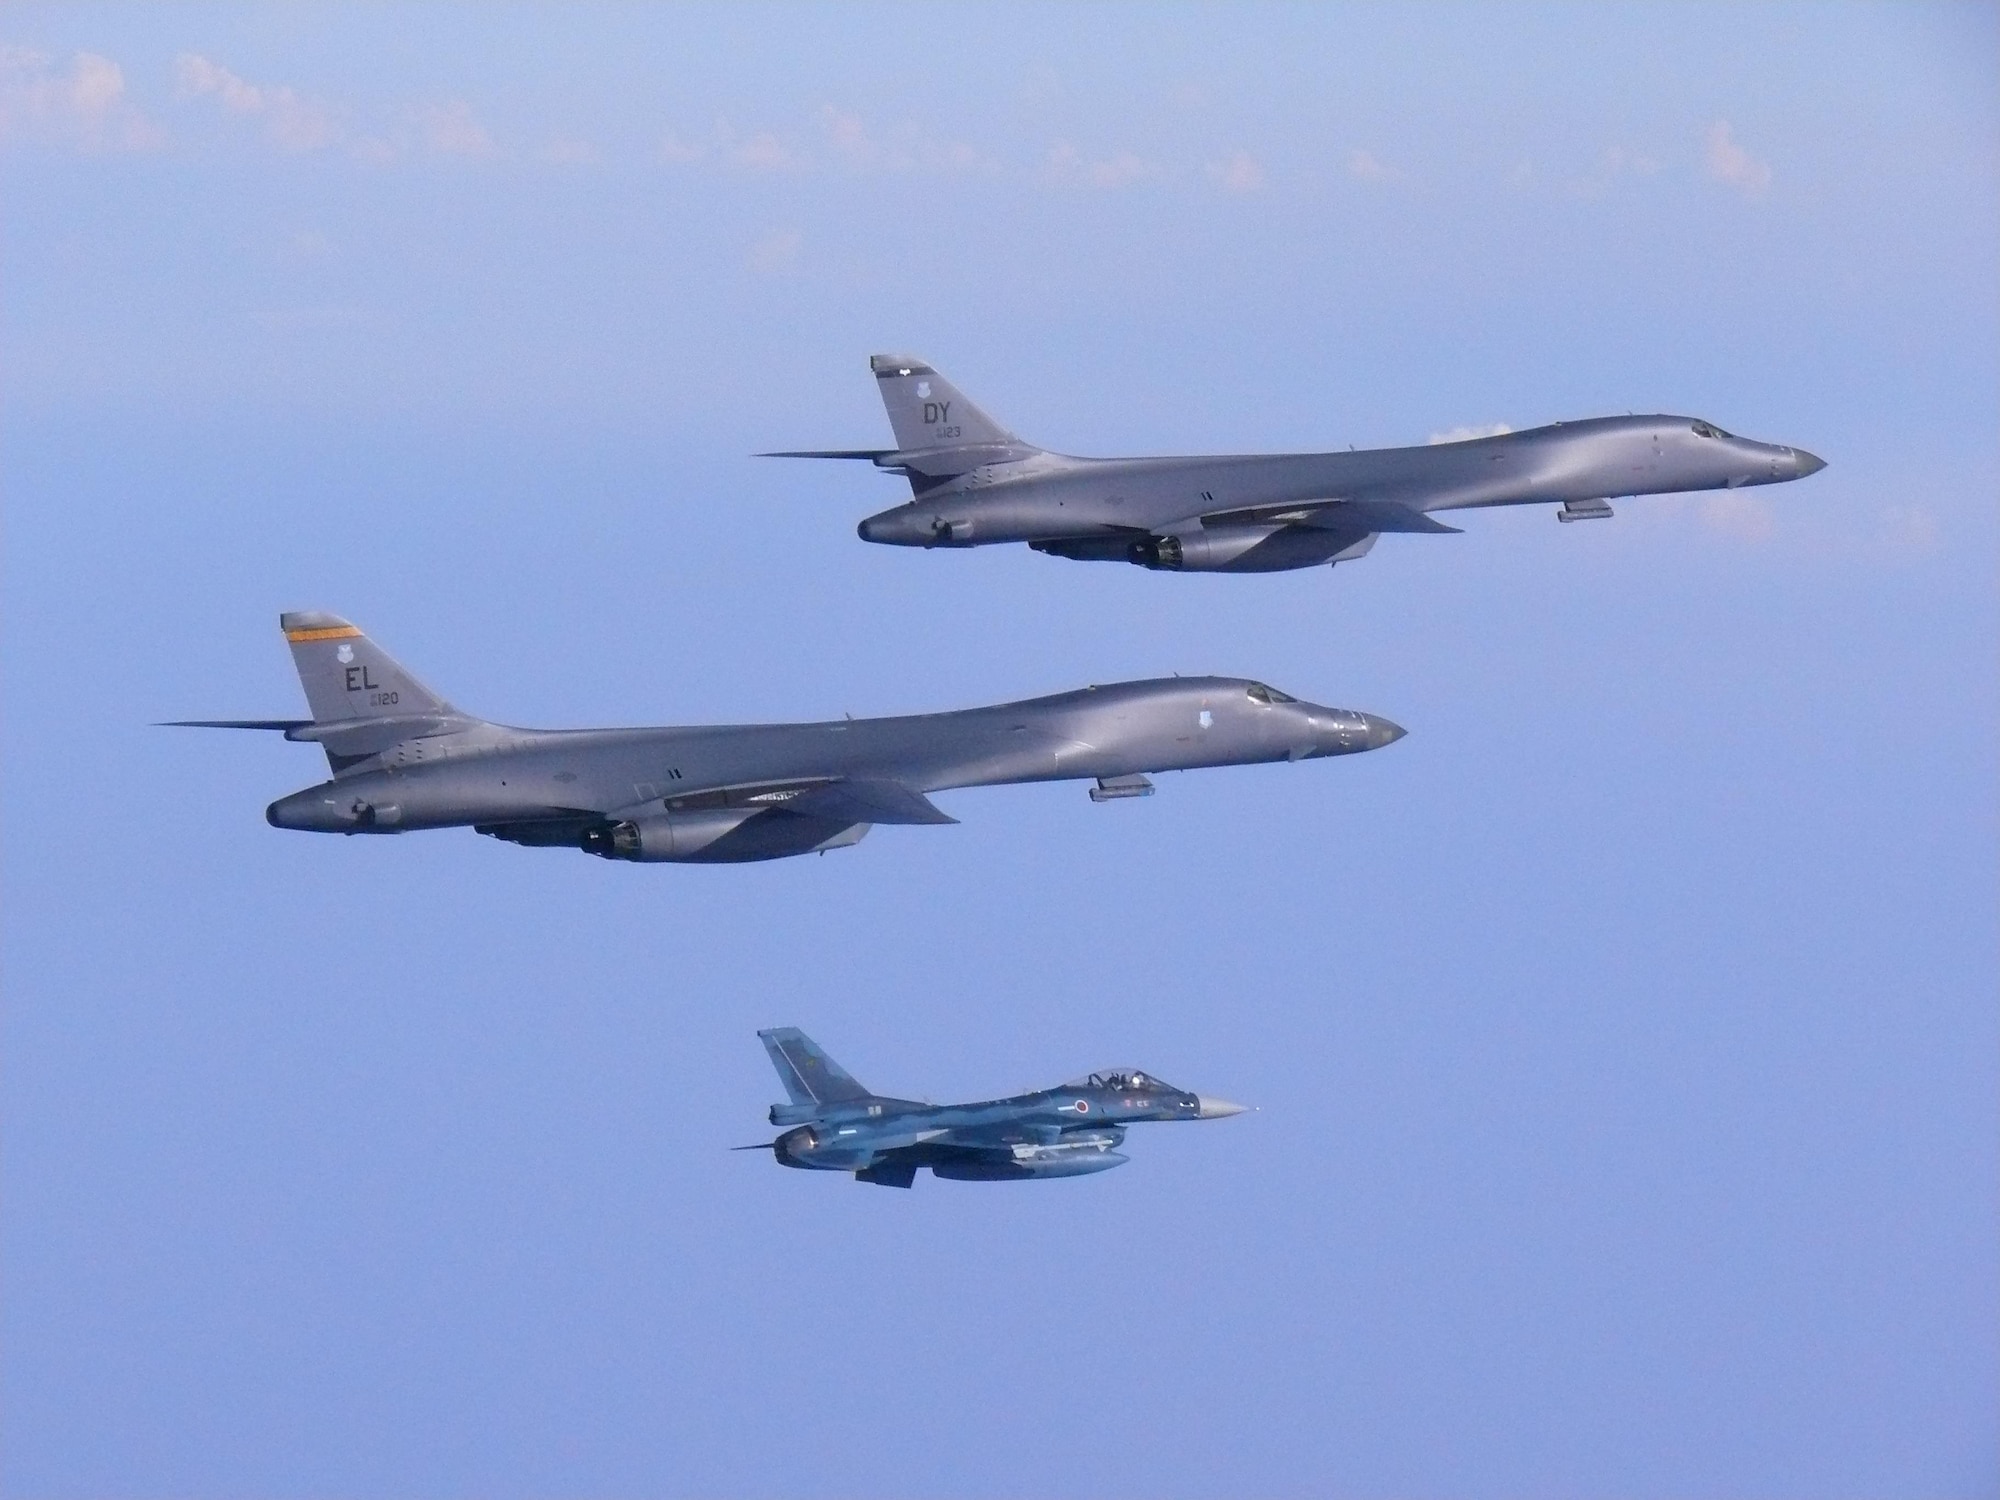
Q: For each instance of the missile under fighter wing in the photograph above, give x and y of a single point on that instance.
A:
(834, 1124)
(975, 483)
(403, 759)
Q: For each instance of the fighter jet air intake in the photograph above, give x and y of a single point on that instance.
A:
(839, 1126)
(976, 483)
(404, 759)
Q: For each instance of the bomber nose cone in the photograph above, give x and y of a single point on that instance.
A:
(1382, 732)
(872, 530)
(1216, 1109)
(1808, 463)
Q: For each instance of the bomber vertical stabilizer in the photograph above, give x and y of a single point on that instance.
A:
(348, 677)
(927, 411)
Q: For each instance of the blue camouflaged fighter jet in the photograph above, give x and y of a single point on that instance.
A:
(839, 1126)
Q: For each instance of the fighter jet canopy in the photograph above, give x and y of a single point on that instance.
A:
(1123, 1080)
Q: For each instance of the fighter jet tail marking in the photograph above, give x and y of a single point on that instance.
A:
(809, 1075)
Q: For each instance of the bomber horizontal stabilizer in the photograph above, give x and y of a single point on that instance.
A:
(285, 726)
(867, 453)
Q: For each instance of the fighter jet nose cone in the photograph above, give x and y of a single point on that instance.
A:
(1382, 732)
(1809, 463)
(1217, 1109)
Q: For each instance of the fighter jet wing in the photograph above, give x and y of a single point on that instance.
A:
(1357, 516)
(867, 802)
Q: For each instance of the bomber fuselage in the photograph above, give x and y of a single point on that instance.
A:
(511, 780)
(1051, 496)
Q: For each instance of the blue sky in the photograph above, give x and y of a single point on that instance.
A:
(1625, 1039)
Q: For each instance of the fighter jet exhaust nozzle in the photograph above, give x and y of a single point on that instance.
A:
(793, 1145)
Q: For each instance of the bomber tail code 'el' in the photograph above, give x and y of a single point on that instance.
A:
(809, 1075)
(347, 676)
(928, 411)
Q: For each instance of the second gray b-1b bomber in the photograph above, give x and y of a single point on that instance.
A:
(975, 483)
(836, 1125)
(405, 759)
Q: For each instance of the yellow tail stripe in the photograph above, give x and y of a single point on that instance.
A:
(331, 633)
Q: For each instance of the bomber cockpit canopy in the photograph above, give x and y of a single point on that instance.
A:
(1708, 430)
(1261, 693)
(1124, 1081)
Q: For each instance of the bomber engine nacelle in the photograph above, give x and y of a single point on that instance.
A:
(719, 835)
(1241, 549)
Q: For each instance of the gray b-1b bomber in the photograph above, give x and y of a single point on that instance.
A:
(976, 483)
(405, 759)
(836, 1125)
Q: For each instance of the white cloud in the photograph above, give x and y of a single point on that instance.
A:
(292, 120)
(776, 254)
(451, 129)
(674, 149)
(84, 107)
(905, 149)
(764, 152)
(1728, 162)
(1467, 434)
(1364, 166)
(1242, 173)
(1066, 164)
(846, 133)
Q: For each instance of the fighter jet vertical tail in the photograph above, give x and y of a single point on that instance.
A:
(809, 1075)
(928, 411)
(348, 678)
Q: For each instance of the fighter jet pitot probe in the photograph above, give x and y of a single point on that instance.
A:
(976, 483)
(839, 1126)
(404, 759)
